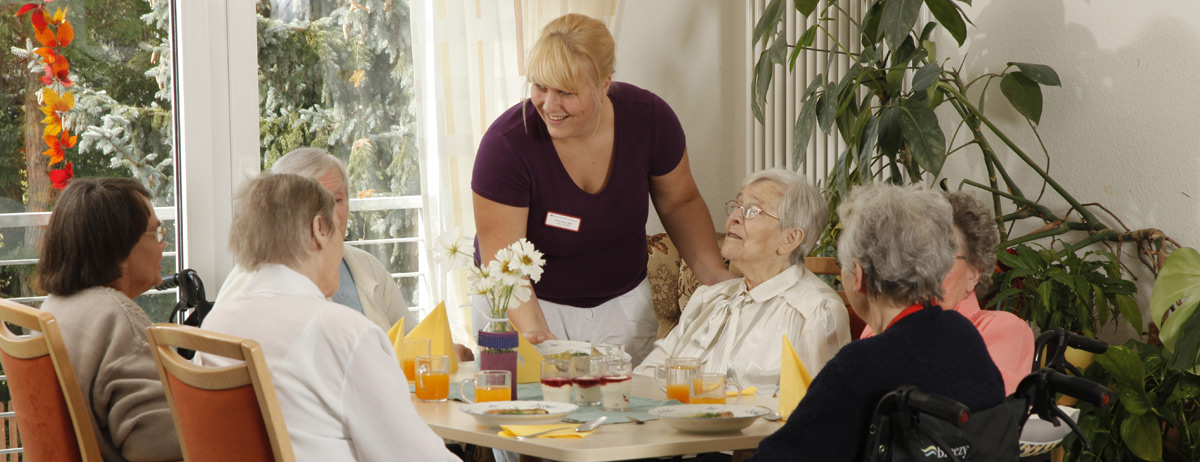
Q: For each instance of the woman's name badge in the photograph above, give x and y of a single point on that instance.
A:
(560, 221)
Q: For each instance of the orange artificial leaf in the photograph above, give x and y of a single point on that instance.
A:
(25, 8)
(54, 149)
(67, 140)
(66, 34)
(62, 176)
(49, 56)
(46, 37)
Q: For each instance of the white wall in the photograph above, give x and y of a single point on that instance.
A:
(1121, 130)
(692, 54)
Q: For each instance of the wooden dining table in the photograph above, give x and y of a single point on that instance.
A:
(610, 442)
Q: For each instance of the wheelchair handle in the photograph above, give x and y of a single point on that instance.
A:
(1086, 344)
(939, 406)
(1080, 388)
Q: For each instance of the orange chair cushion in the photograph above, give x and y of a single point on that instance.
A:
(220, 425)
(47, 432)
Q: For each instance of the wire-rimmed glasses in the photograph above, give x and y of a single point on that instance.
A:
(749, 212)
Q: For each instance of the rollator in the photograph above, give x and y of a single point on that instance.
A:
(910, 425)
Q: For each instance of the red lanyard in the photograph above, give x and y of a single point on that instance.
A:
(907, 311)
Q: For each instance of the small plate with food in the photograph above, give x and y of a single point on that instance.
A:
(708, 418)
(497, 413)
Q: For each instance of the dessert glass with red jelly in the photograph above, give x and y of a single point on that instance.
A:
(616, 384)
(557, 380)
(588, 373)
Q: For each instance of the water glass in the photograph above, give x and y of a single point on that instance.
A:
(709, 388)
(586, 384)
(433, 378)
(413, 347)
(557, 380)
(490, 385)
(610, 349)
(678, 374)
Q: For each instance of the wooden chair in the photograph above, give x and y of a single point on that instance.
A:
(220, 413)
(52, 416)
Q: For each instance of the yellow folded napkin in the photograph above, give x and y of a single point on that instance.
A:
(436, 328)
(564, 431)
(794, 379)
(529, 361)
(396, 336)
(750, 390)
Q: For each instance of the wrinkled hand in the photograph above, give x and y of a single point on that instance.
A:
(538, 336)
(463, 353)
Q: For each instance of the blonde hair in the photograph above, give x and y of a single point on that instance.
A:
(571, 48)
(273, 219)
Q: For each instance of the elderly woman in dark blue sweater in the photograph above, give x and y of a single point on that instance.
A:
(896, 247)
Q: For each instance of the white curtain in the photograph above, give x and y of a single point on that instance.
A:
(470, 67)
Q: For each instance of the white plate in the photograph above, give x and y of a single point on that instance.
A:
(556, 411)
(552, 347)
(683, 417)
(1039, 436)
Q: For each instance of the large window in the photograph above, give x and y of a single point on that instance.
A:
(339, 76)
(113, 57)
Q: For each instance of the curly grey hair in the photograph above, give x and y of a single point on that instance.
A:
(273, 218)
(312, 163)
(802, 207)
(902, 237)
(981, 237)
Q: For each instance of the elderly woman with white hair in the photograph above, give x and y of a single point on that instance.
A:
(739, 324)
(896, 247)
(364, 283)
(335, 372)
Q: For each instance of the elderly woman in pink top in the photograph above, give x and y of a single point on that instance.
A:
(1009, 339)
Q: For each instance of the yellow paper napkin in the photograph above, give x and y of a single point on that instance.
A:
(794, 379)
(529, 361)
(396, 336)
(564, 431)
(750, 390)
(436, 328)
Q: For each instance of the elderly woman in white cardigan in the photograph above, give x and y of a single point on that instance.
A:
(739, 324)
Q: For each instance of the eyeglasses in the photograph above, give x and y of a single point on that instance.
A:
(160, 233)
(749, 212)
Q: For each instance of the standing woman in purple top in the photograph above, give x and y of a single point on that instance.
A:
(570, 169)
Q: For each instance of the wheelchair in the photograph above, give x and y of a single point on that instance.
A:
(909, 425)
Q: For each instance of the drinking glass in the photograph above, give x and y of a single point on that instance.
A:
(490, 385)
(413, 347)
(610, 349)
(586, 384)
(433, 378)
(557, 376)
(677, 374)
(709, 388)
(616, 384)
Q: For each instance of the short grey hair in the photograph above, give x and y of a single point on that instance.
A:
(273, 218)
(980, 235)
(901, 236)
(312, 163)
(802, 207)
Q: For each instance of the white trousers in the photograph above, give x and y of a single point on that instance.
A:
(627, 320)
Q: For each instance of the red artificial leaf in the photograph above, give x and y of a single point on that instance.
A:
(25, 8)
(39, 19)
(66, 33)
(61, 176)
(48, 79)
(46, 37)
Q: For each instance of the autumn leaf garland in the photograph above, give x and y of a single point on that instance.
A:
(54, 32)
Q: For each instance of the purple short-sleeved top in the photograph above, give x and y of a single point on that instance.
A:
(518, 166)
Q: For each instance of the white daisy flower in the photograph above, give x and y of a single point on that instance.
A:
(506, 267)
(454, 249)
(529, 260)
(522, 293)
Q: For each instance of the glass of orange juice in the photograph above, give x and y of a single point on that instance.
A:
(413, 347)
(433, 377)
(490, 385)
(677, 375)
(710, 389)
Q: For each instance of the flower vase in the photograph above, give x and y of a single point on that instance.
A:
(498, 342)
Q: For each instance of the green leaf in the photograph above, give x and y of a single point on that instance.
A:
(1129, 310)
(806, 7)
(930, 49)
(1039, 73)
(867, 147)
(1179, 279)
(806, 40)
(763, 72)
(895, 78)
(870, 27)
(926, 77)
(769, 20)
(1129, 373)
(1143, 437)
(898, 19)
(923, 135)
(1187, 346)
(951, 18)
(1187, 389)
(1024, 94)
(890, 137)
(803, 131)
(1012, 261)
(778, 51)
